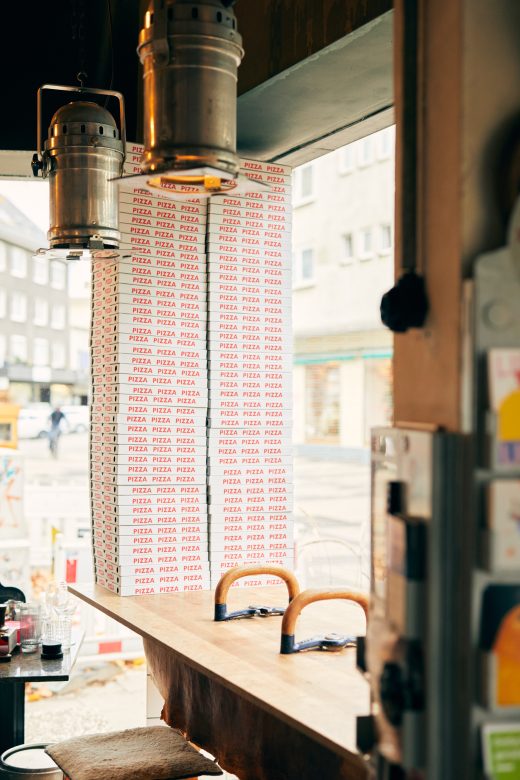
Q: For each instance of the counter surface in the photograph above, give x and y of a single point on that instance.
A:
(318, 694)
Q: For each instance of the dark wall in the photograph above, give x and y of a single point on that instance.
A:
(44, 51)
(43, 37)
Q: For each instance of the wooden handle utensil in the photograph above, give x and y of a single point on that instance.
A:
(330, 642)
(238, 572)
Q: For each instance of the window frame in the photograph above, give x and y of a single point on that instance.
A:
(17, 253)
(386, 250)
(21, 339)
(299, 283)
(298, 198)
(16, 294)
(58, 307)
(346, 169)
(45, 320)
(53, 362)
(365, 255)
(39, 261)
(386, 133)
(344, 258)
(39, 340)
(54, 264)
(362, 161)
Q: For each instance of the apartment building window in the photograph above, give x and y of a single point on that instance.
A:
(366, 243)
(18, 307)
(40, 352)
(3, 348)
(303, 268)
(41, 312)
(3, 302)
(18, 262)
(58, 355)
(58, 275)
(40, 270)
(385, 143)
(3, 256)
(347, 159)
(303, 185)
(18, 349)
(348, 248)
(366, 151)
(385, 239)
(58, 317)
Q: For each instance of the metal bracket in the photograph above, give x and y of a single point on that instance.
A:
(330, 642)
(37, 163)
(249, 612)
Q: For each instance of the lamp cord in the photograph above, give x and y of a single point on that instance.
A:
(111, 33)
(79, 36)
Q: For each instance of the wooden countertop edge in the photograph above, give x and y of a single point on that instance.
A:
(318, 736)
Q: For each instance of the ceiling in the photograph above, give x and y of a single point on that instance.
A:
(316, 73)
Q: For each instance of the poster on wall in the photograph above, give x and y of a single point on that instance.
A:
(12, 519)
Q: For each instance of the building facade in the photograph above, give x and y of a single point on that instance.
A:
(34, 346)
(343, 206)
(80, 282)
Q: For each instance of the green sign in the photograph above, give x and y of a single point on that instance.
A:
(501, 747)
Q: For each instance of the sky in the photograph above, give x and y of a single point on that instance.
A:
(31, 197)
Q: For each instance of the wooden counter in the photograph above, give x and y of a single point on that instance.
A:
(228, 687)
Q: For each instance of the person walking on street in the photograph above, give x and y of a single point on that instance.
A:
(56, 419)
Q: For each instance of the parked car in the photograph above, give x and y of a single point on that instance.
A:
(77, 419)
(33, 421)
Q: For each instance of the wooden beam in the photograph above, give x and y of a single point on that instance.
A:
(278, 34)
(427, 371)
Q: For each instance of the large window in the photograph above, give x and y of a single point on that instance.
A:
(342, 383)
(40, 352)
(18, 307)
(18, 349)
(18, 262)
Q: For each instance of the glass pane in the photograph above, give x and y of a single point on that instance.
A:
(342, 375)
(307, 264)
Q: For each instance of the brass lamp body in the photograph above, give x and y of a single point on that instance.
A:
(190, 53)
(82, 154)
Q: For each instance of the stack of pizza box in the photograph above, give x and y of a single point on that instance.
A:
(250, 395)
(150, 397)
